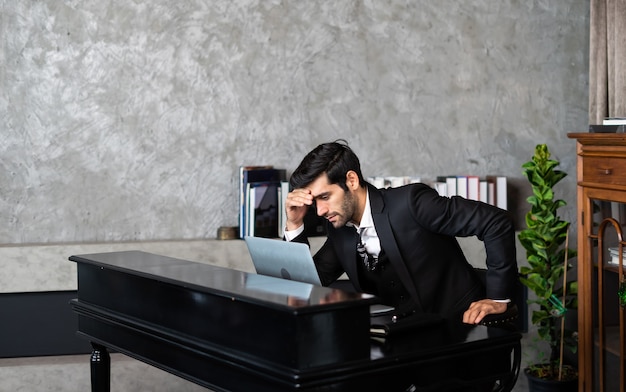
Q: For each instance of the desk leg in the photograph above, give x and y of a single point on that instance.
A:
(100, 369)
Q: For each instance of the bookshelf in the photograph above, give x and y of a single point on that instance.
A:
(263, 189)
(491, 189)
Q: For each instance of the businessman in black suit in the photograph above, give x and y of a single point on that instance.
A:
(400, 243)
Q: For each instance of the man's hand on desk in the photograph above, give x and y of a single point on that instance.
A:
(479, 309)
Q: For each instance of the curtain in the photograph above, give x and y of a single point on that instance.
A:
(607, 60)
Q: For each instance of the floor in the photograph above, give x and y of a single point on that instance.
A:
(71, 374)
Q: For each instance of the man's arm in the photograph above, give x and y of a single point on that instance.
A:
(297, 204)
(460, 217)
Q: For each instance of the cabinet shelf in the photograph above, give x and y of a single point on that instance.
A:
(613, 268)
(610, 267)
(611, 340)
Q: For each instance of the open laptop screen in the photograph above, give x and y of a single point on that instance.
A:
(282, 259)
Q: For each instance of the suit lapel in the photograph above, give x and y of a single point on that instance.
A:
(388, 242)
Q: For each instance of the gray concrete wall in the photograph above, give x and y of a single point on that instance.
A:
(127, 121)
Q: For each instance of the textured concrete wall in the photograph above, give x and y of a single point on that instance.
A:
(124, 120)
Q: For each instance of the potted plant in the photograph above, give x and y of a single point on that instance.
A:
(545, 240)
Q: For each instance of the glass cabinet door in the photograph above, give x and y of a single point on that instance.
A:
(608, 291)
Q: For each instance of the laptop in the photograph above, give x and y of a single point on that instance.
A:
(292, 261)
(282, 259)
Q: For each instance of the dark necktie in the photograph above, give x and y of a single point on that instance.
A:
(369, 261)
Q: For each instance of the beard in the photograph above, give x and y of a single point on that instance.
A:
(346, 213)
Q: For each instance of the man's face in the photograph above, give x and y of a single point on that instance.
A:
(332, 202)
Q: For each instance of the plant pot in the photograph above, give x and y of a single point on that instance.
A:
(538, 384)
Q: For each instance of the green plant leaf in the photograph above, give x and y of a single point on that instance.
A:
(543, 239)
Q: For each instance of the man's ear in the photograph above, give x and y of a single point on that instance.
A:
(352, 180)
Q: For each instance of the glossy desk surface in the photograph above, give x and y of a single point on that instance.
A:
(235, 331)
(203, 278)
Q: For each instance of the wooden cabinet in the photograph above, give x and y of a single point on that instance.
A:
(601, 199)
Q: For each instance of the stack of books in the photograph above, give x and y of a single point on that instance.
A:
(609, 125)
(614, 256)
(260, 201)
(392, 181)
(614, 121)
(491, 189)
(262, 194)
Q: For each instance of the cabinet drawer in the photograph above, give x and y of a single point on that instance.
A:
(604, 170)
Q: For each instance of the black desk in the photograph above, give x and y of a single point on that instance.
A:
(234, 331)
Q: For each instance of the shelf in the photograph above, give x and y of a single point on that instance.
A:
(609, 267)
(611, 340)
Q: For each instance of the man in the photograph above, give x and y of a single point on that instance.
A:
(412, 260)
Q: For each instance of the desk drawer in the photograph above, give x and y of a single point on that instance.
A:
(605, 170)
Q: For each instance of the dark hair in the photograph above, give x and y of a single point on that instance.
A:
(335, 159)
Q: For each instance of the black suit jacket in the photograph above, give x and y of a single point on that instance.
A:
(417, 230)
